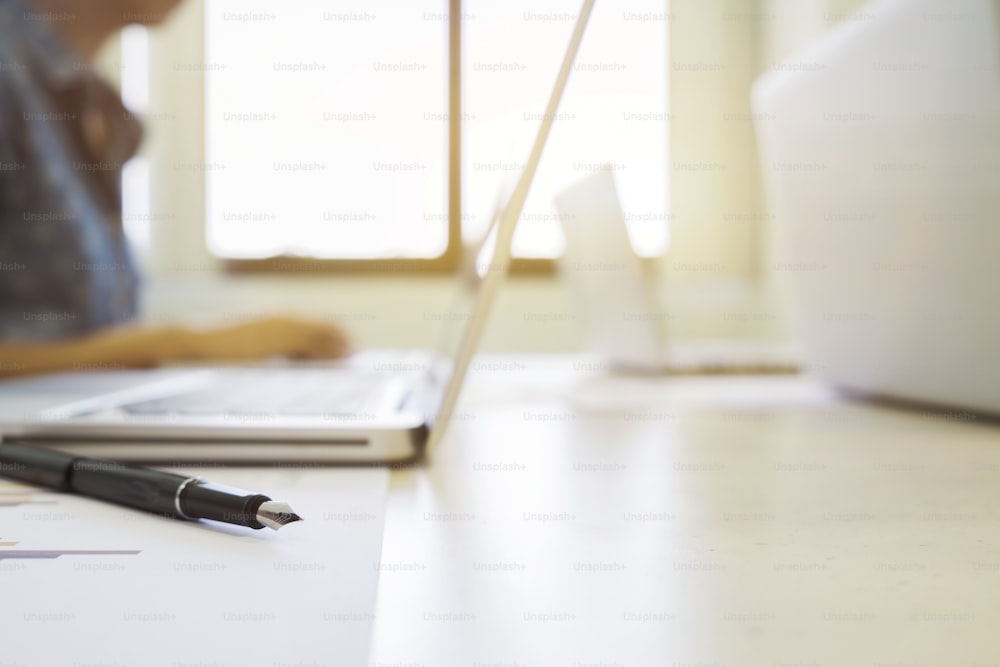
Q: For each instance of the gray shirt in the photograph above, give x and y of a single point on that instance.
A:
(65, 266)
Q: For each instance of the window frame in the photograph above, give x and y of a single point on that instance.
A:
(450, 261)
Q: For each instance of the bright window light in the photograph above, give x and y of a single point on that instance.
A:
(135, 68)
(135, 183)
(327, 121)
(613, 113)
(327, 128)
(136, 211)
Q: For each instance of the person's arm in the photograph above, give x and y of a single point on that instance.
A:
(142, 347)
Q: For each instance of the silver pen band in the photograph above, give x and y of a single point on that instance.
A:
(177, 497)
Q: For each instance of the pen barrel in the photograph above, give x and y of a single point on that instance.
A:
(205, 500)
(156, 491)
(42, 467)
(142, 488)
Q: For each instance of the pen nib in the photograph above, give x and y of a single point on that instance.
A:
(275, 515)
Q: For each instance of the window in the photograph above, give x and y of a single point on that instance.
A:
(136, 207)
(329, 122)
(613, 115)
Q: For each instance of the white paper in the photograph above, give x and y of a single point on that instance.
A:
(170, 592)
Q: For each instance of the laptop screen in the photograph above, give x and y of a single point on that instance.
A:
(487, 267)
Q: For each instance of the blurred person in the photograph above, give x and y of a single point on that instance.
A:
(68, 285)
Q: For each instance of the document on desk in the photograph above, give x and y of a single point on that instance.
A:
(86, 582)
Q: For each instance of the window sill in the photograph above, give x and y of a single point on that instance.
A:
(533, 313)
(441, 266)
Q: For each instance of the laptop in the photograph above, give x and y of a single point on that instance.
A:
(626, 321)
(373, 408)
(881, 155)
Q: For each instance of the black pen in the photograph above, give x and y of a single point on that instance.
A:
(144, 488)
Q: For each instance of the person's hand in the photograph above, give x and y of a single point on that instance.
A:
(145, 346)
(272, 337)
(139, 347)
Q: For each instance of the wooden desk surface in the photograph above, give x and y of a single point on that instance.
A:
(572, 519)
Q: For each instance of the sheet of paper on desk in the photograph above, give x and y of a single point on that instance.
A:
(85, 582)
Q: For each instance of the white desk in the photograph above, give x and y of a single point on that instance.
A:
(573, 520)
(568, 519)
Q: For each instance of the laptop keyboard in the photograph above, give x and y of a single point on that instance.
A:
(273, 392)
